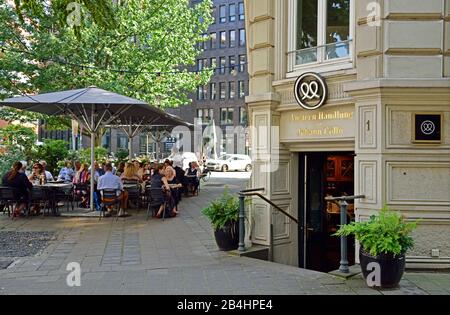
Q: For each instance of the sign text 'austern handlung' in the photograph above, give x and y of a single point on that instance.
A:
(336, 115)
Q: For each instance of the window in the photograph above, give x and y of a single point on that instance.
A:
(222, 90)
(232, 64)
(232, 39)
(213, 64)
(242, 39)
(213, 91)
(214, 15)
(202, 93)
(226, 116)
(232, 89)
(122, 141)
(322, 30)
(223, 65)
(146, 145)
(202, 44)
(202, 64)
(223, 39)
(206, 115)
(241, 11)
(243, 120)
(223, 13)
(241, 89)
(213, 40)
(242, 62)
(106, 140)
(205, 41)
(232, 12)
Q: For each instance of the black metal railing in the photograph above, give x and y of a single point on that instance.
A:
(255, 192)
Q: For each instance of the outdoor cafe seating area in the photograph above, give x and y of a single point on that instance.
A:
(94, 108)
(69, 193)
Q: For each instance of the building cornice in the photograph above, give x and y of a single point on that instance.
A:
(397, 83)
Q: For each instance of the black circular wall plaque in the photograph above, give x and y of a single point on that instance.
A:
(311, 91)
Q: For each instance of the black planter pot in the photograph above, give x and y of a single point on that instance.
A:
(227, 238)
(391, 267)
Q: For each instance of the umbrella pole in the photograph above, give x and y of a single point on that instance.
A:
(92, 169)
(130, 148)
(92, 159)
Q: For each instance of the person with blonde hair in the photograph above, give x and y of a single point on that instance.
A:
(130, 173)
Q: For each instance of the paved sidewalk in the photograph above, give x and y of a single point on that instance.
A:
(178, 256)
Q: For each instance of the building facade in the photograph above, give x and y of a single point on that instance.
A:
(223, 98)
(382, 129)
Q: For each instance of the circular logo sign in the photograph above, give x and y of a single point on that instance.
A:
(428, 127)
(311, 91)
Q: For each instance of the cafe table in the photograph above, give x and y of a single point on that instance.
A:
(52, 189)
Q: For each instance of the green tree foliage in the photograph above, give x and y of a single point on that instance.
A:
(53, 151)
(386, 233)
(20, 139)
(142, 53)
(100, 153)
(8, 157)
(122, 155)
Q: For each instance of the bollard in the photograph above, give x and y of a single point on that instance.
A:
(241, 223)
(344, 254)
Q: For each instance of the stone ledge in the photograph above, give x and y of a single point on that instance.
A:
(256, 252)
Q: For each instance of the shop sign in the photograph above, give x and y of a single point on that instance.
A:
(311, 91)
(427, 128)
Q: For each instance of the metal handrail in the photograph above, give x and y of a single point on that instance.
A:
(250, 193)
(270, 202)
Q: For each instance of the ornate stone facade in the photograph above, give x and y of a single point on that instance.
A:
(399, 65)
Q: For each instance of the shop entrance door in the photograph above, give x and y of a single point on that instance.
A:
(323, 175)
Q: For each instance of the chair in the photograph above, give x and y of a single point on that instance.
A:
(39, 198)
(64, 195)
(157, 199)
(9, 197)
(146, 198)
(78, 192)
(109, 198)
(134, 194)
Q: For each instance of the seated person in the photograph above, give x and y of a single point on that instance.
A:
(160, 181)
(66, 174)
(112, 182)
(48, 175)
(129, 175)
(169, 172)
(18, 180)
(192, 175)
(38, 174)
(83, 177)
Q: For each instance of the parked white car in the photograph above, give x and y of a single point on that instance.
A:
(231, 162)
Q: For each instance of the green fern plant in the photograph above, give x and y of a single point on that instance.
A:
(223, 210)
(386, 233)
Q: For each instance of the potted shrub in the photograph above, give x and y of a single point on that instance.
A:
(224, 216)
(384, 240)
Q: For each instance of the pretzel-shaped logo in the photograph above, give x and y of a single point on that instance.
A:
(311, 91)
(428, 127)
